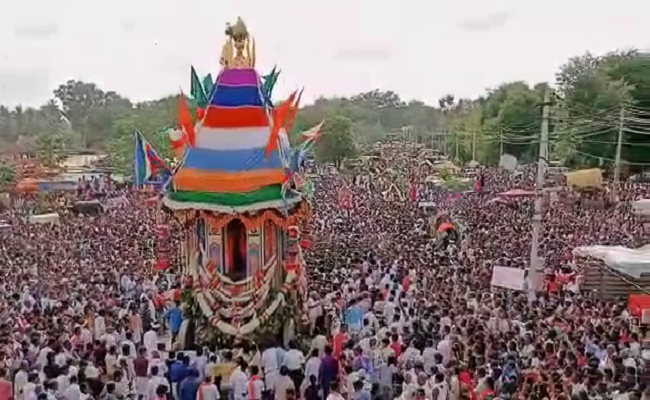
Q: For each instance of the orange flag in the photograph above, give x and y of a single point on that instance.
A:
(280, 115)
(293, 113)
(185, 121)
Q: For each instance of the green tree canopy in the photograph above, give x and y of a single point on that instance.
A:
(336, 142)
(588, 95)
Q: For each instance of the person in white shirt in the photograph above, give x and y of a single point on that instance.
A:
(155, 381)
(294, 360)
(62, 381)
(100, 325)
(32, 389)
(199, 362)
(428, 356)
(270, 366)
(315, 309)
(60, 359)
(155, 361)
(440, 390)
(334, 392)
(444, 348)
(313, 365)
(41, 360)
(20, 380)
(239, 381)
(319, 342)
(129, 341)
(150, 340)
(208, 390)
(111, 360)
(72, 392)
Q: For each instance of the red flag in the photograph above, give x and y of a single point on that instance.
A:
(185, 121)
(293, 112)
(279, 117)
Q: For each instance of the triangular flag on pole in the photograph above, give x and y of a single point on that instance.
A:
(208, 84)
(185, 121)
(147, 161)
(280, 115)
(196, 89)
(313, 133)
(292, 113)
(269, 82)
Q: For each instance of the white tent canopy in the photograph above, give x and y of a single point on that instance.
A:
(52, 218)
(632, 262)
(642, 207)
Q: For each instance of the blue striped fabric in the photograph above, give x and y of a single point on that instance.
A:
(231, 160)
(236, 96)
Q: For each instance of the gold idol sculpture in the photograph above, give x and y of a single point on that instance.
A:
(239, 49)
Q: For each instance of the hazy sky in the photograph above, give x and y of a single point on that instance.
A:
(421, 49)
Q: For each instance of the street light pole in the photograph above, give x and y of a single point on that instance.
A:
(534, 266)
(619, 143)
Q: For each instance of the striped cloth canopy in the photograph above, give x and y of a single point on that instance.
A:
(228, 165)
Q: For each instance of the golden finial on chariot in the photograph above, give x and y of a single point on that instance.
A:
(239, 49)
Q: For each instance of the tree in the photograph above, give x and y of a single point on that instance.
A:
(7, 176)
(50, 149)
(90, 110)
(512, 114)
(446, 103)
(584, 120)
(591, 92)
(336, 142)
(377, 99)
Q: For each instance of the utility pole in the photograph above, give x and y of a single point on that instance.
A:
(539, 200)
(617, 166)
(500, 142)
(457, 143)
(445, 151)
(473, 145)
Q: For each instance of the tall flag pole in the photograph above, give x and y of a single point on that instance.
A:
(139, 164)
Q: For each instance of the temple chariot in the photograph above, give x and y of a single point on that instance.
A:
(238, 192)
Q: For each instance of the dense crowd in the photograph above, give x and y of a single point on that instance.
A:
(423, 322)
(80, 296)
(391, 313)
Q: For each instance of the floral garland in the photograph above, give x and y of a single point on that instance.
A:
(253, 299)
(237, 313)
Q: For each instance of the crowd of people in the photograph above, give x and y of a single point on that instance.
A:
(422, 322)
(391, 314)
(78, 299)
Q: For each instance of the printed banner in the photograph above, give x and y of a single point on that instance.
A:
(509, 278)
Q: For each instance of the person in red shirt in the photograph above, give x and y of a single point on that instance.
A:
(6, 391)
(339, 340)
(141, 368)
(406, 283)
(395, 345)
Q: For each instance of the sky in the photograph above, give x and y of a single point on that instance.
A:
(420, 49)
